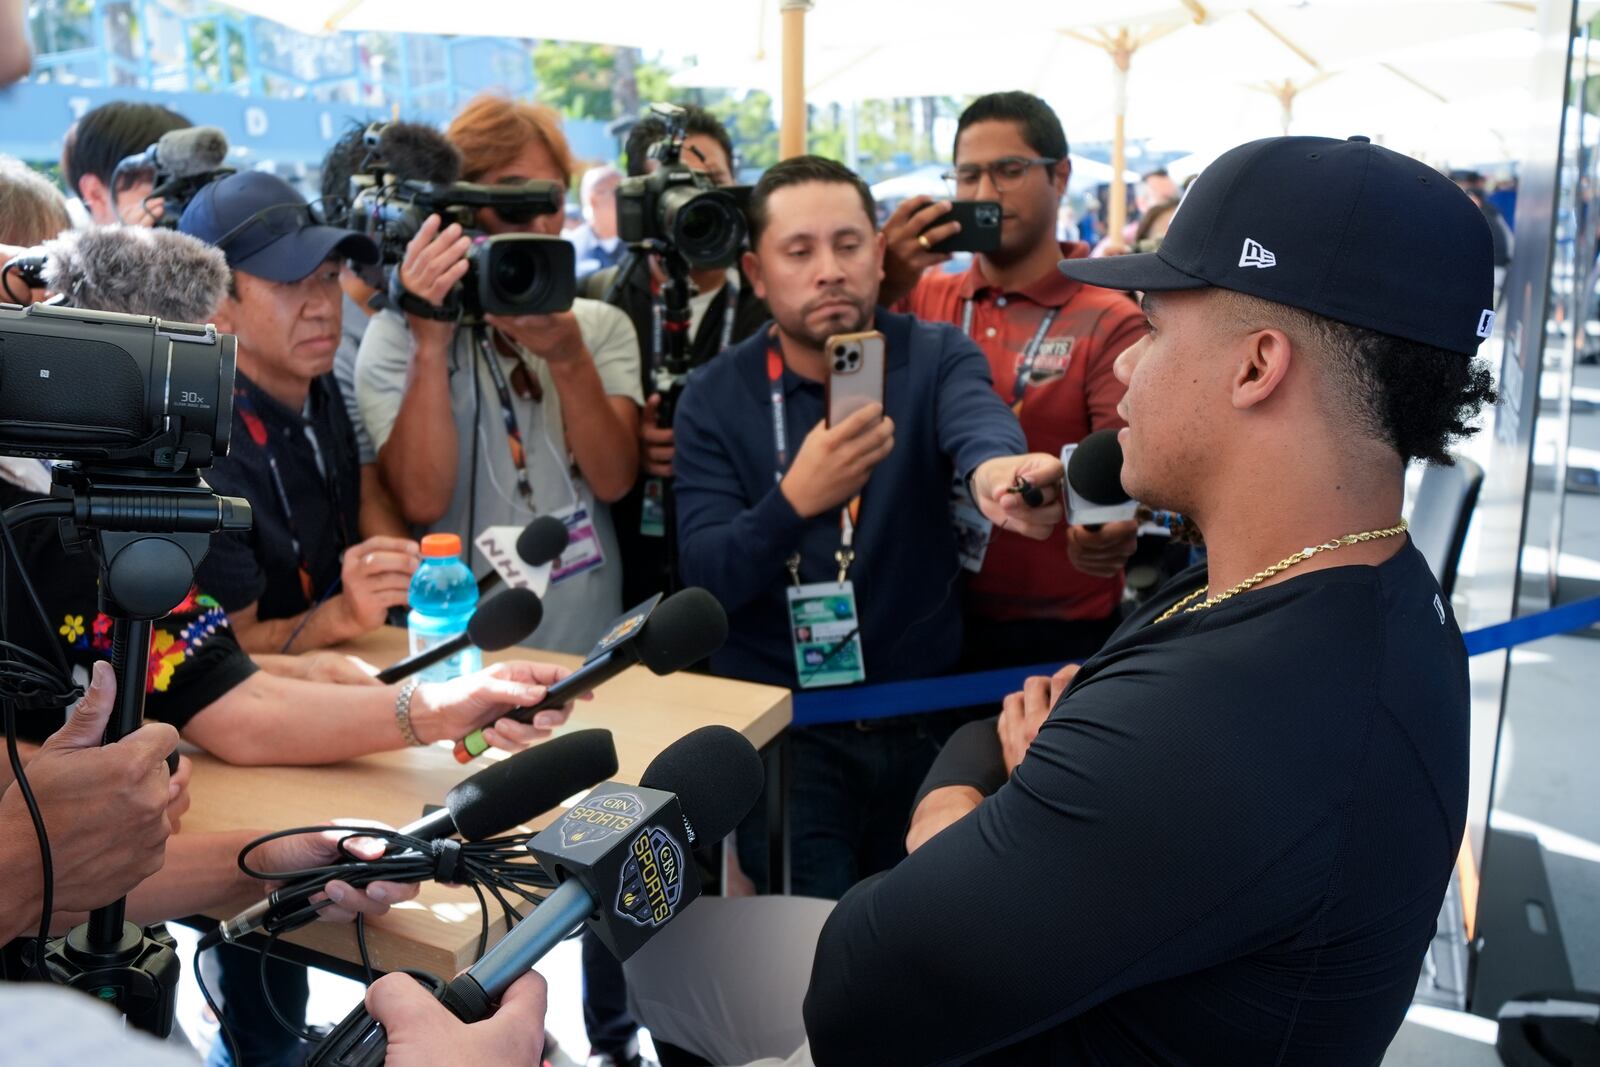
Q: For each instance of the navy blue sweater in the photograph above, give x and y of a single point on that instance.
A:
(736, 529)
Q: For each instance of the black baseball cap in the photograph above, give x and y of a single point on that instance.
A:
(267, 229)
(1348, 230)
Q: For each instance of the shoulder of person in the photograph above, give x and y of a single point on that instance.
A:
(603, 325)
(731, 365)
(594, 286)
(928, 336)
(385, 336)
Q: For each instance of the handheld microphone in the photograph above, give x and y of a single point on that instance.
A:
(136, 271)
(622, 859)
(496, 799)
(1094, 481)
(1095, 493)
(541, 541)
(500, 622)
(679, 632)
(181, 162)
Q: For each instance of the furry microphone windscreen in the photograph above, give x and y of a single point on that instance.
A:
(137, 271)
(414, 151)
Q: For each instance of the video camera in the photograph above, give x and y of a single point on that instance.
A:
(507, 274)
(679, 207)
(110, 390)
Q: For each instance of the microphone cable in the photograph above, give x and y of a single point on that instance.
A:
(499, 867)
(30, 681)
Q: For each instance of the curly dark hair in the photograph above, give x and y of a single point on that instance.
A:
(1417, 399)
(344, 159)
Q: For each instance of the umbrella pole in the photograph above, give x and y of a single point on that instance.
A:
(792, 130)
(1117, 209)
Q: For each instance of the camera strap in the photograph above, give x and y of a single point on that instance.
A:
(412, 304)
(1030, 354)
(508, 413)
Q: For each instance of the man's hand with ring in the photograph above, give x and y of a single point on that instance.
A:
(375, 576)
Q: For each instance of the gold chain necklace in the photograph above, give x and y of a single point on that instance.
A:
(1278, 568)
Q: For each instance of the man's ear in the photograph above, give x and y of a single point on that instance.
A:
(96, 199)
(222, 314)
(752, 270)
(1264, 362)
(1059, 176)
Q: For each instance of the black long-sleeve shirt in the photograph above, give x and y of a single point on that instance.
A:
(1228, 844)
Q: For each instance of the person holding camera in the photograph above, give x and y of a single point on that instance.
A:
(772, 495)
(723, 310)
(97, 142)
(1051, 343)
(539, 419)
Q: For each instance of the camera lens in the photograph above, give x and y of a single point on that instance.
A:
(838, 364)
(704, 224)
(839, 350)
(515, 274)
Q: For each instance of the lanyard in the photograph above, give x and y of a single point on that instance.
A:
(263, 439)
(1029, 354)
(658, 319)
(508, 414)
(849, 515)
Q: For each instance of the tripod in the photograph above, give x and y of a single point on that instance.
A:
(670, 374)
(148, 533)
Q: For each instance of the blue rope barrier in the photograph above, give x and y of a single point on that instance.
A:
(891, 699)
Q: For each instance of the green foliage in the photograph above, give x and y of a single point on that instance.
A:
(579, 80)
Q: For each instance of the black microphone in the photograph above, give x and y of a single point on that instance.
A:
(500, 622)
(622, 858)
(681, 631)
(541, 541)
(1094, 489)
(1094, 482)
(496, 799)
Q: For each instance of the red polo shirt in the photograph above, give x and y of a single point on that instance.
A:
(1071, 392)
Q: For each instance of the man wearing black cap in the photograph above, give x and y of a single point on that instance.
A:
(1227, 841)
(302, 577)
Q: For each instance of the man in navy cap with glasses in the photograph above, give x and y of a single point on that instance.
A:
(302, 577)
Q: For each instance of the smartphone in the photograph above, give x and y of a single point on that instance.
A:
(855, 373)
(980, 227)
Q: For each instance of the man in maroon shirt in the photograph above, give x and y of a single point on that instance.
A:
(1051, 343)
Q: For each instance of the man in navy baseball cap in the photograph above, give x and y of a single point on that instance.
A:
(1226, 836)
(267, 229)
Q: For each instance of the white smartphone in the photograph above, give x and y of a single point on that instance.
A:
(855, 373)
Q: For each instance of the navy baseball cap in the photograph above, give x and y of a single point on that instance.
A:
(1348, 230)
(265, 228)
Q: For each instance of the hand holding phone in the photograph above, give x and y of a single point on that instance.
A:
(980, 227)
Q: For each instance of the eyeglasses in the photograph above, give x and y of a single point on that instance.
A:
(279, 220)
(1003, 173)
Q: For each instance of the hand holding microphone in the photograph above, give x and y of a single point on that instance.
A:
(682, 630)
(1020, 494)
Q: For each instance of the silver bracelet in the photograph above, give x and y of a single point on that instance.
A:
(402, 711)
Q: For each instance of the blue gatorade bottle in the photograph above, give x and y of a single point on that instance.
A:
(443, 598)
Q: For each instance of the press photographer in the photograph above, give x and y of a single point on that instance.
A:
(721, 306)
(493, 420)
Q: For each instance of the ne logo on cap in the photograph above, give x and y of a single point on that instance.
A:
(1253, 255)
(1485, 323)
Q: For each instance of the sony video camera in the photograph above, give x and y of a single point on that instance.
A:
(507, 274)
(110, 390)
(681, 208)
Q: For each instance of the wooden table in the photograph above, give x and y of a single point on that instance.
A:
(438, 931)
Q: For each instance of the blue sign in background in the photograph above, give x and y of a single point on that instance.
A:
(35, 115)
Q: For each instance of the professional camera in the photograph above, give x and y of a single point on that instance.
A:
(681, 208)
(110, 390)
(507, 274)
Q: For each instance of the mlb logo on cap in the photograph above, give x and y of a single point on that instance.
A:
(1344, 229)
